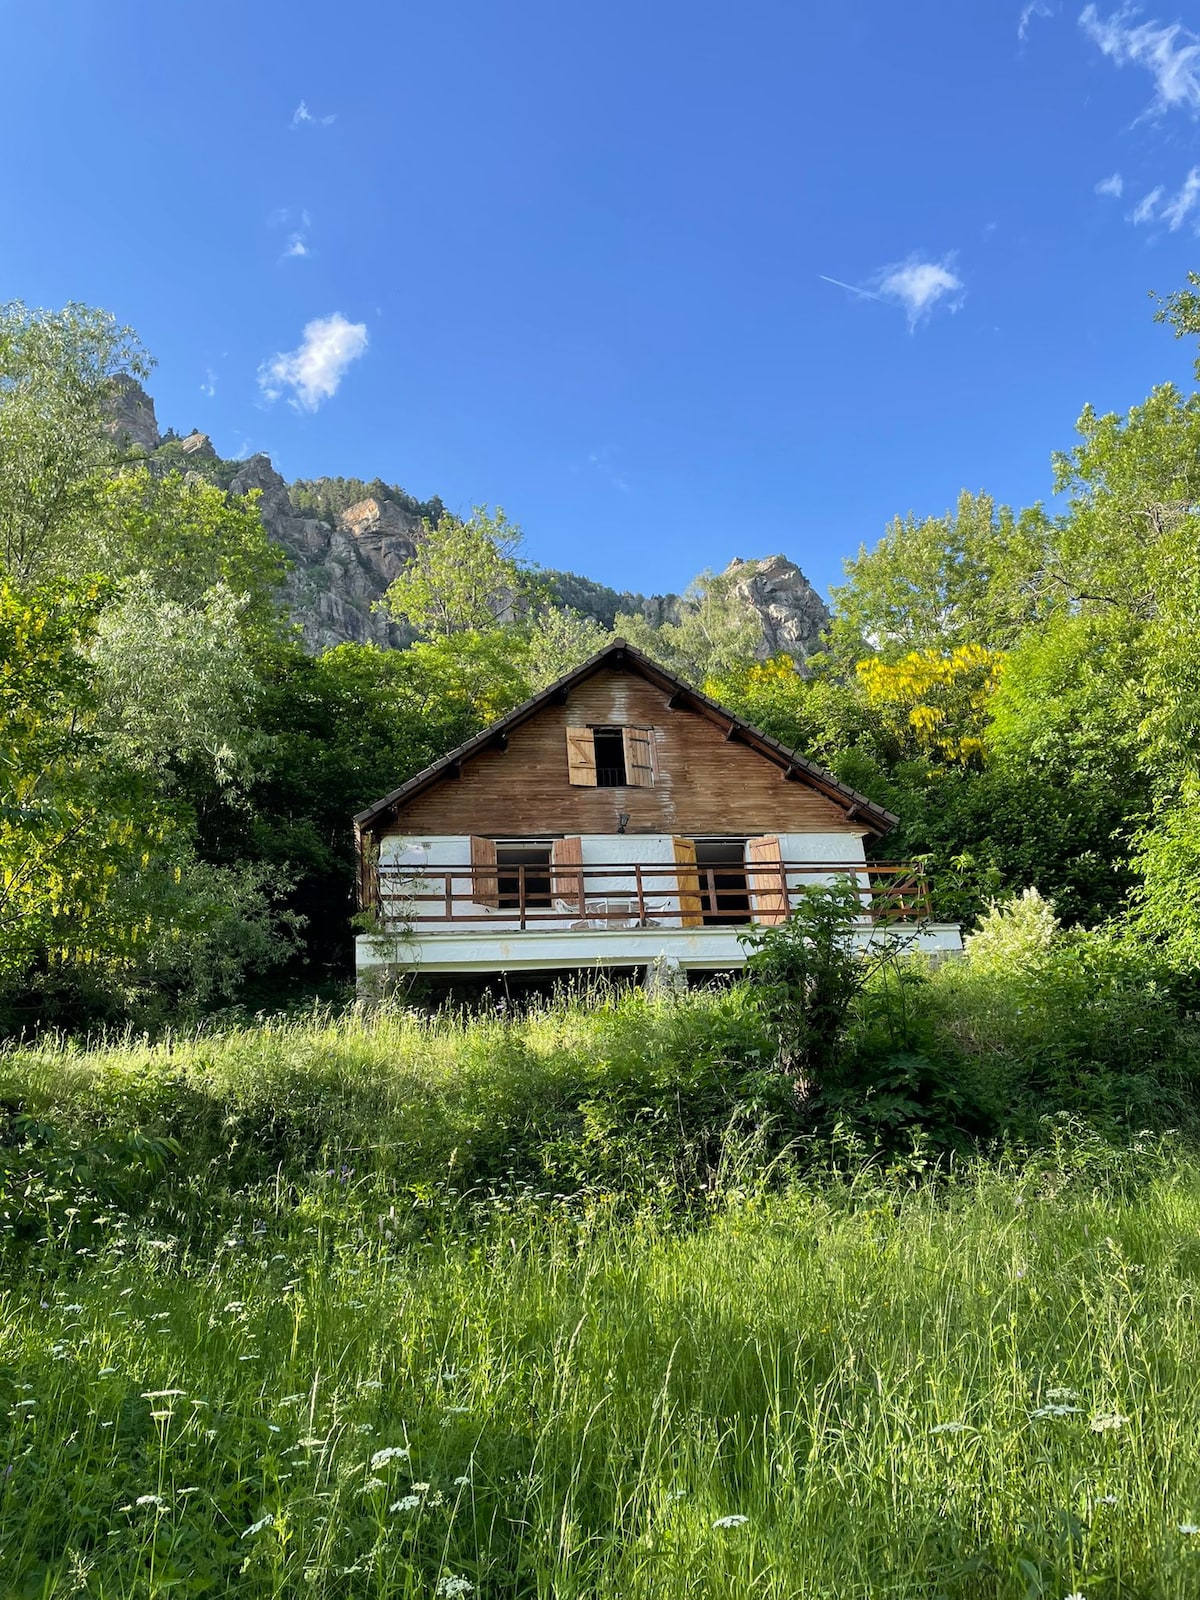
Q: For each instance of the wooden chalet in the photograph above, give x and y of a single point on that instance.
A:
(617, 819)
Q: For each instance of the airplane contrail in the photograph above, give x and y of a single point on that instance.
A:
(853, 287)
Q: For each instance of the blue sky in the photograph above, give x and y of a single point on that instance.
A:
(574, 259)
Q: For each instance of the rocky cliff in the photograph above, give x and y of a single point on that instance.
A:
(344, 555)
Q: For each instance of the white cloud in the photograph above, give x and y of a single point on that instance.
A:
(314, 371)
(1178, 207)
(1147, 205)
(302, 116)
(1114, 186)
(919, 285)
(209, 386)
(916, 285)
(1175, 209)
(1169, 52)
(297, 242)
(1034, 8)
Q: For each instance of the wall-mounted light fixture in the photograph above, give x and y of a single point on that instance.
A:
(622, 821)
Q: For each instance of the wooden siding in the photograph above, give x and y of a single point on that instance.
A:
(703, 783)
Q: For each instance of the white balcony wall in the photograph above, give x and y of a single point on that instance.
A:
(842, 849)
(407, 857)
(608, 897)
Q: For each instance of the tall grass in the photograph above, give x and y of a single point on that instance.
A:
(252, 1343)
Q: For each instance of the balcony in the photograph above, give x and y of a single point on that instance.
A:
(532, 915)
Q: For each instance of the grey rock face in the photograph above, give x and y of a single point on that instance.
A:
(338, 571)
(342, 567)
(198, 446)
(132, 422)
(790, 611)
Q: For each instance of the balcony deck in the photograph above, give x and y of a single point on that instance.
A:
(532, 917)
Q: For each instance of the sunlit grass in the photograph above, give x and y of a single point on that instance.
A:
(307, 1352)
(901, 1394)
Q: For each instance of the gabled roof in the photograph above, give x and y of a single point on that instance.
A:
(620, 653)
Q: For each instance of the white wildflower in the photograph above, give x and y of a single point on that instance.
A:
(420, 1488)
(730, 1522)
(408, 1502)
(1056, 1411)
(106, 1372)
(1189, 1527)
(1108, 1422)
(1062, 1394)
(460, 1483)
(149, 1500)
(393, 1452)
(21, 1403)
(162, 1394)
(1076, 1596)
(951, 1427)
(372, 1483)
(257, 1527)
(450, 1587)
(236, 1305)
(72, 1308)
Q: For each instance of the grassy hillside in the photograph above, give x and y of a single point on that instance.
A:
(525, 1308)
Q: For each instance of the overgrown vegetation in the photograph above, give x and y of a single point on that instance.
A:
(588, 1301)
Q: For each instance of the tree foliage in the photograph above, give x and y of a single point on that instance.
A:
(58, 372)
(712, 634)
(465, 577)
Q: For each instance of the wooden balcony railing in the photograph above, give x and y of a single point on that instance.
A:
(635, 894)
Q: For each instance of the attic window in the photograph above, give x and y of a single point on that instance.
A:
(610, 757)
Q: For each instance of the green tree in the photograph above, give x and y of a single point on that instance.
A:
(187, 537)
(714, 633)
(970, 577)
(465, 576)
(71, 821)
(57, 375)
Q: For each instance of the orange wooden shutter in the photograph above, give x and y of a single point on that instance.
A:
(581, 757)
(485, 890)
(639, 757)
(764, 872)
(568, 884)
(687, 877)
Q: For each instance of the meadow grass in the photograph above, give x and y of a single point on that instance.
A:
(307, 1367)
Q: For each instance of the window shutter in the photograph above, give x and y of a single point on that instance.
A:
(767, 880)
(368, 872)
(639, 757)
(567, 885)
(687, 879)
(485, 883)
(581, 757)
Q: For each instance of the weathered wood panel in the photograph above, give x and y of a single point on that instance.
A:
(703, 783)
(768, 885)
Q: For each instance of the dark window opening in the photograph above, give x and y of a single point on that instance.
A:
(530, 862)
(724, 892)
(610, 758)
